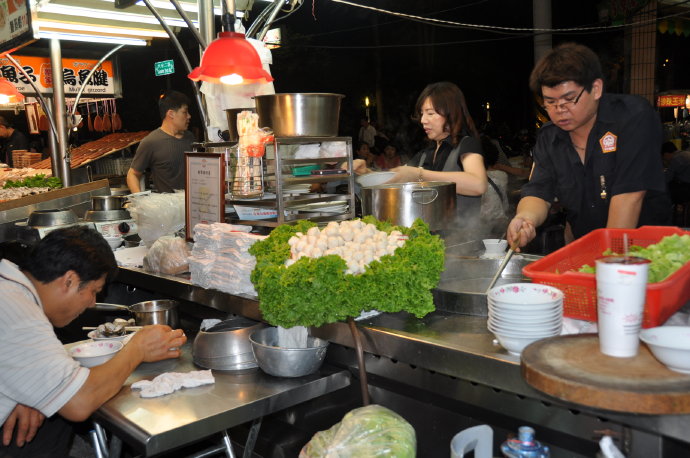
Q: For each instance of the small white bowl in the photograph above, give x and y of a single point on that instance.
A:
(521, 332)
(114, 241)
(521, 294)
(495, 246)
(374, 178)
(515, 345)
(670, 345)
(525, 326)
(95, 353)
(528, 315)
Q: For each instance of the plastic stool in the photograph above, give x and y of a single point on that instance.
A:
(478, 438)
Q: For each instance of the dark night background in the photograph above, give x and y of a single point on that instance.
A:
(334, 47)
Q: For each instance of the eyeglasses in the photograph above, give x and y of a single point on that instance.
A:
(566, 104)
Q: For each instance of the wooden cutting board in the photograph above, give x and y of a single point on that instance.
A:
(573, 369)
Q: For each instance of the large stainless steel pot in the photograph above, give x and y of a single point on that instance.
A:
(402, 203)
(160, 311)
(59, 217)
(300, 114)
(107, 203)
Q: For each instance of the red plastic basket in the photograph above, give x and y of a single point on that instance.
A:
(559, 269)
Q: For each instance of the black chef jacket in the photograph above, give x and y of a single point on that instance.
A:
(623, 155)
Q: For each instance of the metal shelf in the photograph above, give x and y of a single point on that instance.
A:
(286, 202)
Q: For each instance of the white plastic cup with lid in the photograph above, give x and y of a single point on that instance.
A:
(621, 292)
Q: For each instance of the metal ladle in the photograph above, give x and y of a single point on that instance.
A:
(504, 263)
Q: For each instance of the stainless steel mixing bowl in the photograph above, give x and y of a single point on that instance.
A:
(287, 362)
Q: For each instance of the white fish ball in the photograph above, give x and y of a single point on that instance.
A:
(347, 235)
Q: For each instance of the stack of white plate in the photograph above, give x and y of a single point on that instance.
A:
(297, 188)
(521, 313)
(323, 207)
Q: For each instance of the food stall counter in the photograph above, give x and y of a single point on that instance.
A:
(160, 424)
(447, 353)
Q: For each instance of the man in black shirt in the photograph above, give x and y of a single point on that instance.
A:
(599, 156)
(12, 140)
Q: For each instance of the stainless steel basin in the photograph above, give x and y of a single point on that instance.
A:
(467, 275)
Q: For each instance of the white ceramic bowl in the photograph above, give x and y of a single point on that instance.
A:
(540, 317)
(495, 246)
(95, 353)
(515, 345)
(374, 178)
(521, 294)
(523, 332)
(526, 310)
(670, 345)
(526, 324)
(114, 241)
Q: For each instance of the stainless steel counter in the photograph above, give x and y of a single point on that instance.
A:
(454, 354)
(157, 425)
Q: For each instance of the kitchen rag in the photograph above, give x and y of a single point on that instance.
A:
(170, 382)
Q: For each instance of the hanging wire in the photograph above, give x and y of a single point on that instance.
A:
(489, 28)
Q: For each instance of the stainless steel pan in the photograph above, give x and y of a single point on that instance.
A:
(160, 311)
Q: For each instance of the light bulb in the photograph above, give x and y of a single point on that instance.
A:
(231, 79)
(4, 99)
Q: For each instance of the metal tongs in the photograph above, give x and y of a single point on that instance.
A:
(504, 263)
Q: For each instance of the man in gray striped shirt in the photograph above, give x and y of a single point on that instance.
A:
(38, 379)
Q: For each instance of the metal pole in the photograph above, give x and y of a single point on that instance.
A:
(207, 25)
(272, 17)
(260, 19)
(541, 18)
(183, 56)
(190, 25)
(52, 141)
(59, 113)
(88, 77)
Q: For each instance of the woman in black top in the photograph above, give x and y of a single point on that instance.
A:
(454, 154)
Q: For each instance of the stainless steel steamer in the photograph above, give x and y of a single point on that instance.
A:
(401, 203)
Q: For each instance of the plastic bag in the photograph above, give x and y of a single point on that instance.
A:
(157, 215)
(168, 255)
(371, 431)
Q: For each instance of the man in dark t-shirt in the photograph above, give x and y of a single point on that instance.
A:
(599, 157)
(162, 151)
(12, 140)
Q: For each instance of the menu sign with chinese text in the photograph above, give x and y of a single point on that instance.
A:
(205, 190)
(15, 24)
(675, 100)
(74, 73)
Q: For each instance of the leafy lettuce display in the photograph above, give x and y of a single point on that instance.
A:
(36, 181)
(666, 256)
(315, 291)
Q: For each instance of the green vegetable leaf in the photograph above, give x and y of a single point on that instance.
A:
(312, 292)
(36, 181)
(666, 256)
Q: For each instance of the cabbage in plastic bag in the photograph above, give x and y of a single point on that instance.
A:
(371, 431)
